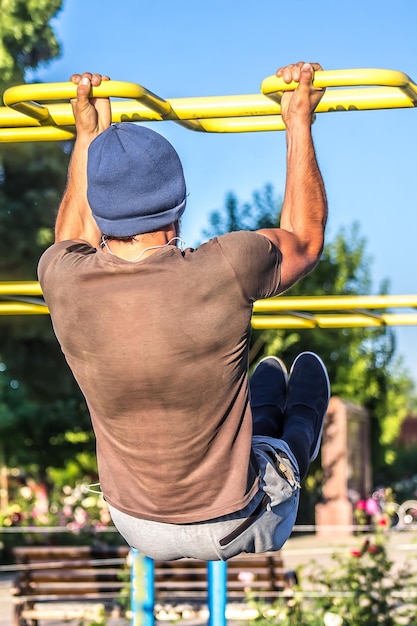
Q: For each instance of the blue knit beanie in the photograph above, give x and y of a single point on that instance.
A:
(135, 181)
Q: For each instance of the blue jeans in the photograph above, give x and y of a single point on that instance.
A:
(263, 525)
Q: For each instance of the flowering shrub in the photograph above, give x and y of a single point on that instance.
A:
(70, 509)
(379, 509)
(362, 588)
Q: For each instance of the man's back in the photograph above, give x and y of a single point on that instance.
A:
(160, 351)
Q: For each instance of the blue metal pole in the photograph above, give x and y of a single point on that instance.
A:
(142, 595)
(217, 592)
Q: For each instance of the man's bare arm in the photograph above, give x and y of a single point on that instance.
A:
(92, 116)
(300, 237)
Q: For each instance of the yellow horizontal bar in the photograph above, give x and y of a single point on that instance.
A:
(297, 312)
(33, 288)
(261, 322)
(273, 86)
(317, 303)
(45, 133)
(266, 322)
(22, 308)
(239, 125)
(42, 112)
(213, 107)
(21, 288)
(213, 114)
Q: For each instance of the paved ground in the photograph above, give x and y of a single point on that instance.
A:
(304, 549)
(299, 550)
(5, 601)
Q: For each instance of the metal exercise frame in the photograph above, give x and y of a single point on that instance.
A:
(42, 112)
(142, 595)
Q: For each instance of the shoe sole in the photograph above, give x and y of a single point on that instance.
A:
(281, 363)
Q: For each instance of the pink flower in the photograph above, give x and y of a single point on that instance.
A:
(361, 505)
(356, 553)
(105, 516)
(67, 510)
(246, 577)
(371, 506)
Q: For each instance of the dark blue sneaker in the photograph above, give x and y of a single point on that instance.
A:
(309, 386)
(268, 383)
(268, 392)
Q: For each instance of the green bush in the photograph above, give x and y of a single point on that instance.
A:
(361, 588)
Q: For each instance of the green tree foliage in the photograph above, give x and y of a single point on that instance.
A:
(40, 403)
(362, 362)
(261, 212)
(32, 176)
(26, 37)
(32, 180)
(34, 438)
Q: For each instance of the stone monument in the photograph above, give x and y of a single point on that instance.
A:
(345, 458)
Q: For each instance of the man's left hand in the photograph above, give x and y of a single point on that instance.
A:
(92, 115)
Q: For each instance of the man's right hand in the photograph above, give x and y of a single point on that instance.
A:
(300, 103)
(92, 115)
(300, 237)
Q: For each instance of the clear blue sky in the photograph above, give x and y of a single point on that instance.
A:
(222, 47)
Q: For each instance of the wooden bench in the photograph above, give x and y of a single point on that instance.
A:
(66, 582)
(186, 579)
(74, 577)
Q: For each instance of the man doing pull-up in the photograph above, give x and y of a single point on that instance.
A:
(194, 460)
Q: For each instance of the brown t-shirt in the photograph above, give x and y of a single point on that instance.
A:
(159, 349)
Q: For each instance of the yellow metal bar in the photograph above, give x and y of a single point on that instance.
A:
(367, 79)
(323, 303)
(282, 312)
(196, 109)
(42, 112)
(20, 288)
(22, 308)
(33, 288)
(261, 322)
(45, 133)
(296, 312)
(266, 322)
(21, 96)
